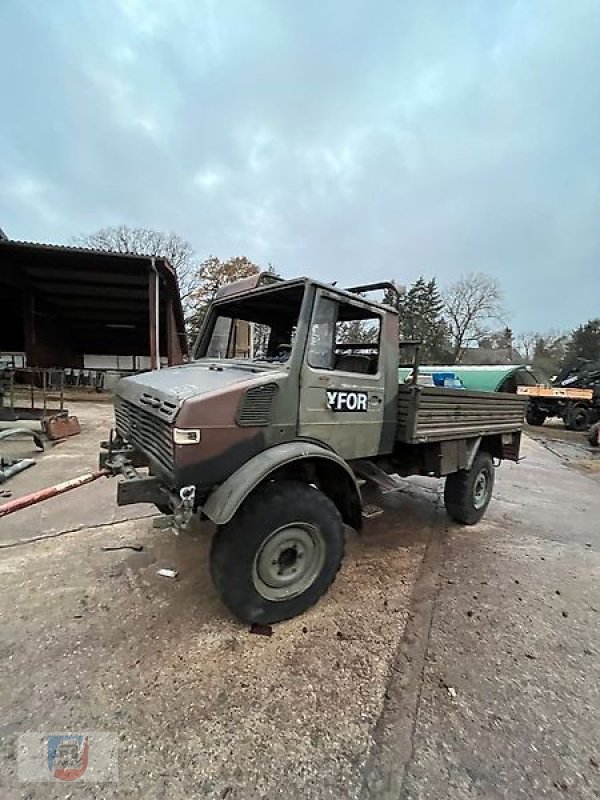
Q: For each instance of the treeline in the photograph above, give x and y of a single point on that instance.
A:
(461, 324)
(453, 323)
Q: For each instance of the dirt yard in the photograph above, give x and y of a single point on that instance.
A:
(446, 662)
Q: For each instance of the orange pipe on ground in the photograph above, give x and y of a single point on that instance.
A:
(52, 491)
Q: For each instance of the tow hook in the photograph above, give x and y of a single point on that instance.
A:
(183, 511)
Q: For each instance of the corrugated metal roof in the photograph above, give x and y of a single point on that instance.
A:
(74, 280)
(21, 243)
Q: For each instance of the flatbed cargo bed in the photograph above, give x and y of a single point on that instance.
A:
(556, 392)
(436, 414)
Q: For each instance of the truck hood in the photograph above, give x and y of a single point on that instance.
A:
(162, 392)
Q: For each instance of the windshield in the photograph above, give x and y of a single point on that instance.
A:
(258, 327)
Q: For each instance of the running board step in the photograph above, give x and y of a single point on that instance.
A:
(371, 472)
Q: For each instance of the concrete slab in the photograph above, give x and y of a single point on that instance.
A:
(89, 505)
(95, 639)
(505, 700)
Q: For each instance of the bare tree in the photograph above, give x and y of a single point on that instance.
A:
(550, 352)
(526, 343)
(544, 350)
(146, 242)
(469, 305)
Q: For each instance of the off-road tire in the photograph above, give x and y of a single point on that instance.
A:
(577, 418)
(460, 492)
(535, 416)
(238, 547)
(594, 435)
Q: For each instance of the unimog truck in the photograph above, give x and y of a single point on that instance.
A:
(289, 411)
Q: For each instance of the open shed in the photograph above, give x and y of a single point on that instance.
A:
(80, 308)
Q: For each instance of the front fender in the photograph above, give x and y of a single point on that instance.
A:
(225, 500)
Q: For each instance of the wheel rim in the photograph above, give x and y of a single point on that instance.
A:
(481, 489)
(289, 561)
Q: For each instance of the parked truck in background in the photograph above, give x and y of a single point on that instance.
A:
(573, 396)
(275, 447)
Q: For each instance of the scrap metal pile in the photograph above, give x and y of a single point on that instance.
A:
(584, 374)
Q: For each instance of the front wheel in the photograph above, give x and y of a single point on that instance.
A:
(467, 493)
(535, 416)
(279, 554)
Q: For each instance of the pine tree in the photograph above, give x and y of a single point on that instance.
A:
(421, 318)
(585, 342)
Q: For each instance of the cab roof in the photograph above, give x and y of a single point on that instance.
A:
(265, 282)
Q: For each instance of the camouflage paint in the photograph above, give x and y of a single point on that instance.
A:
(224, 501)
(208, 394)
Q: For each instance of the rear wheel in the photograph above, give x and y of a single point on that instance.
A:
(577, 418)
(594, 437)
(279, 554)
(467, 493)
(535, 416)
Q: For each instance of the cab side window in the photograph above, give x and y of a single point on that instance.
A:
(344, 337)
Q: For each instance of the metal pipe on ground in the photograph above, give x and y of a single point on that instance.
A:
(13, 467)
(22, 431)
(52, 491)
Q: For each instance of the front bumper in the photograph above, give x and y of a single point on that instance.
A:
(124, 461)
(142, 489)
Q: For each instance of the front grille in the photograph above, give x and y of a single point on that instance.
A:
(164, 408)
(147, 433)
(256, 406)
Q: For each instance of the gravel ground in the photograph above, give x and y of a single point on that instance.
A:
(350, 700)
(96, 640)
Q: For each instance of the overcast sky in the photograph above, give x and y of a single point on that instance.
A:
(342, 139)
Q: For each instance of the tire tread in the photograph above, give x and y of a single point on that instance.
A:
(231, 543)
(457, 491)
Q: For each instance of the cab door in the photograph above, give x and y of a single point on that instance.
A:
(342, 383)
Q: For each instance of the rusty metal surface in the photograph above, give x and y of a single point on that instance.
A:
(61, 426)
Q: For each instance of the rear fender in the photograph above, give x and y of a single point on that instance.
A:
(297, 460)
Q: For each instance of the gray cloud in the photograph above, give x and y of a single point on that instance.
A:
(342, 139)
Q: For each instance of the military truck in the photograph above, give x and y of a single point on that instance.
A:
(289, 411)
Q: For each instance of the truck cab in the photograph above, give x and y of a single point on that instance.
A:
(275, 362)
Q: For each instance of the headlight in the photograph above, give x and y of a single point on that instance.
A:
(186, 435)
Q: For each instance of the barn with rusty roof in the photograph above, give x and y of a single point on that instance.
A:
(73, 307)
